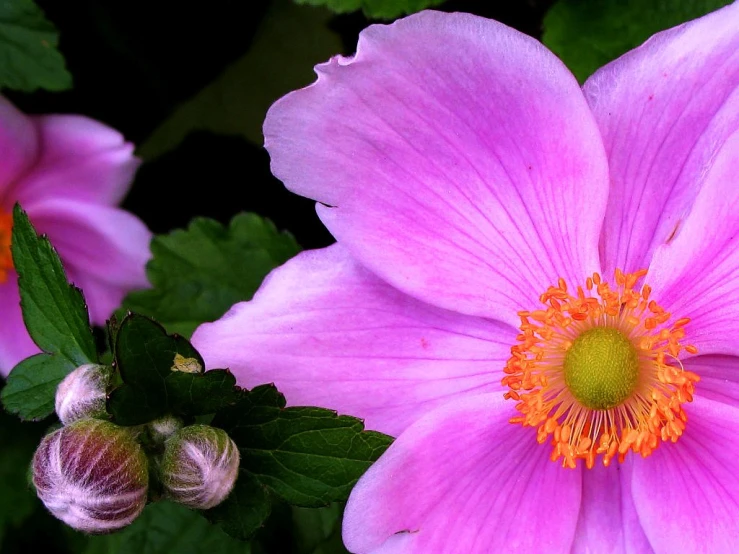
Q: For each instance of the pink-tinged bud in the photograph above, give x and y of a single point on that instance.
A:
(199, 466)
(92, 475)
(82, 393)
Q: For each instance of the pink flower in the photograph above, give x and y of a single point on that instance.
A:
(68, 172)
(469, 180)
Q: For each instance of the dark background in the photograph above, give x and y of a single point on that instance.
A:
(134, 61)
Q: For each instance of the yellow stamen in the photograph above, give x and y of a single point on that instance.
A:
(591, 371)
(6, 260)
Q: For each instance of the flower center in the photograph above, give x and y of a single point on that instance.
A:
(601, 368)
(598, 371)
(6, 260)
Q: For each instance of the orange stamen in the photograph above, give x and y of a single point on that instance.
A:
(535, 376)
(6, 260)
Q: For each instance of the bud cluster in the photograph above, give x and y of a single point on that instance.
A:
(94, 475)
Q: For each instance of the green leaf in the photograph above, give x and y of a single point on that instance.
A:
(56, 317)
(155, 383)
(29, 58)
(292, 38)
(32, 385)
(198, 274)
(375, 9)
(245, 510)
(318, 530)
(587, 35)
(307, 456)
(166, 528)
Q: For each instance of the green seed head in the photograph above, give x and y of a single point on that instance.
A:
(601, 368)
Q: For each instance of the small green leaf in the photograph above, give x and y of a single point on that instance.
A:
(55, 315)
(245, 510)
(200, 273)
(167, 528)
(29, 58)
(32, 385)
(308, 456)
(375, 9)
(587, 35)
(155, 383)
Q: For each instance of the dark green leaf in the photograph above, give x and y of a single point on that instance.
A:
(318, 530)
(308, 456)
(56, 317)
(167, 528)
(201, 272)
(587, 35)
(150, 363)
(376, 9)
(245, 510)
(17, 500)
(28, 56)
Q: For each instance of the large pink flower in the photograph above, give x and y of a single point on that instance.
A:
(68, 173)
(468, 178)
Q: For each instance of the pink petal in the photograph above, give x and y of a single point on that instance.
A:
(608, 521)
(696, 275)
(719, 377)
(19, 147)
(665, 110)
(463, 479)
(80, 159)
(687, 494)
(456, 158)
(15, 344)
(104, 249)
(329, 333)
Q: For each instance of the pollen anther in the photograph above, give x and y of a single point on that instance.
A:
(624, 385)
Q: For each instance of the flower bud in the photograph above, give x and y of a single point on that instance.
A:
(82, 393)
(199, 466)
(92, 475)
(163, 428)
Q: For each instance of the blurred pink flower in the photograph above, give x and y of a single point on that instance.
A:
(68, 172)
(468, 178)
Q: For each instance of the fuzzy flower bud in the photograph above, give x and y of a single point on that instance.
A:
(199, 466)
(82, 393)
(92, 475)
(163, 428)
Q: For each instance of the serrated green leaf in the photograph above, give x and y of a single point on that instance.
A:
(167, 528)
(55, 315)
(307, 456)
(146, 358)
(587, 35)
(29, 58)
(198, 274)
(375, 9)
(245, 510)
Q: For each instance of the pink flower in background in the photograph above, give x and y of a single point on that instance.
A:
(68, 173)
(486, 301)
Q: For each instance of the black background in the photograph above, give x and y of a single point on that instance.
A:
(134, 61)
